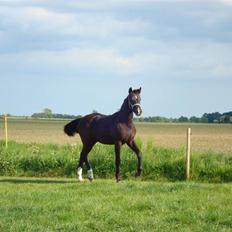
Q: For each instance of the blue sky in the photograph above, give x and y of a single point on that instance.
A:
(79, 56)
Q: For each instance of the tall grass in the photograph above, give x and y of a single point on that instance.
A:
(158, 163)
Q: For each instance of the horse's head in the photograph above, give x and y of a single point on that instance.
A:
(134, 101)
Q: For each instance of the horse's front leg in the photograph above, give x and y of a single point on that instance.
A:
(117, 160)
(138, 153)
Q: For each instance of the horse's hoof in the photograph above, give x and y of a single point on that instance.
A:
(79, 174)
(138, 174)
(90, 179)
(80, 179)
(90, 174)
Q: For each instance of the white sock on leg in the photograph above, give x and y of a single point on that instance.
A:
(90, 174)
(79, 173)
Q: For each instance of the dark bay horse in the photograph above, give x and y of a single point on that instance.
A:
(116, 129)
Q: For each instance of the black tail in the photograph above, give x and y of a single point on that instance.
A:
(72, 128)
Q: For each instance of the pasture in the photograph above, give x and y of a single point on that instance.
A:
(205, 137)
(159, 201)
(33, 204)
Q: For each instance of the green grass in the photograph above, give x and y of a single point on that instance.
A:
(33, 204)
(159, 164)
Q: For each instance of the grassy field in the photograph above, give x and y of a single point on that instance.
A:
(63, 204)
(44, 150)
(159, 164)
(32, 204)
(205, 137)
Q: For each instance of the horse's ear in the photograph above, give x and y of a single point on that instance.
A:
(140, 90)
(130, 90)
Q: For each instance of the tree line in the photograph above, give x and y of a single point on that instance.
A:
(215, 117)
(47, 113)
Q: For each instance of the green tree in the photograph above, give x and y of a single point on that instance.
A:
(194, 119)
(47, 111)
(183, 119)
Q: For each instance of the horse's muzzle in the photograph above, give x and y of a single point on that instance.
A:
(137, 110)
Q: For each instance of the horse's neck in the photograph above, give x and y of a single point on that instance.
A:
(125, 114)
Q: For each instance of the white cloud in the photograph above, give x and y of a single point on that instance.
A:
(41, 20)
(96, 40)
(227, 2)
(35, 19)
(181, 61)
(75, 60)
(186, 60)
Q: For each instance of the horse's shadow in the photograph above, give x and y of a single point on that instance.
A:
(35, 181)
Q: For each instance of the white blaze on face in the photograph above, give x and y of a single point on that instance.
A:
(139, 110)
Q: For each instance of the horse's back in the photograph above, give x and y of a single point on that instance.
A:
(105, 129)
(96, 127)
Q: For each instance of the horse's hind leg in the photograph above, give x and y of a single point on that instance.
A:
(90, 170)
(80, 166)
(83, 156)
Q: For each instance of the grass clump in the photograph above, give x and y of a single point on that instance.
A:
(158, 163)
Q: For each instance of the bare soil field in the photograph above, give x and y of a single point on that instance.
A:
(205, 137)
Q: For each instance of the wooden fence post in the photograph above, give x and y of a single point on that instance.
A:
(6, 131)
(188, 151)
